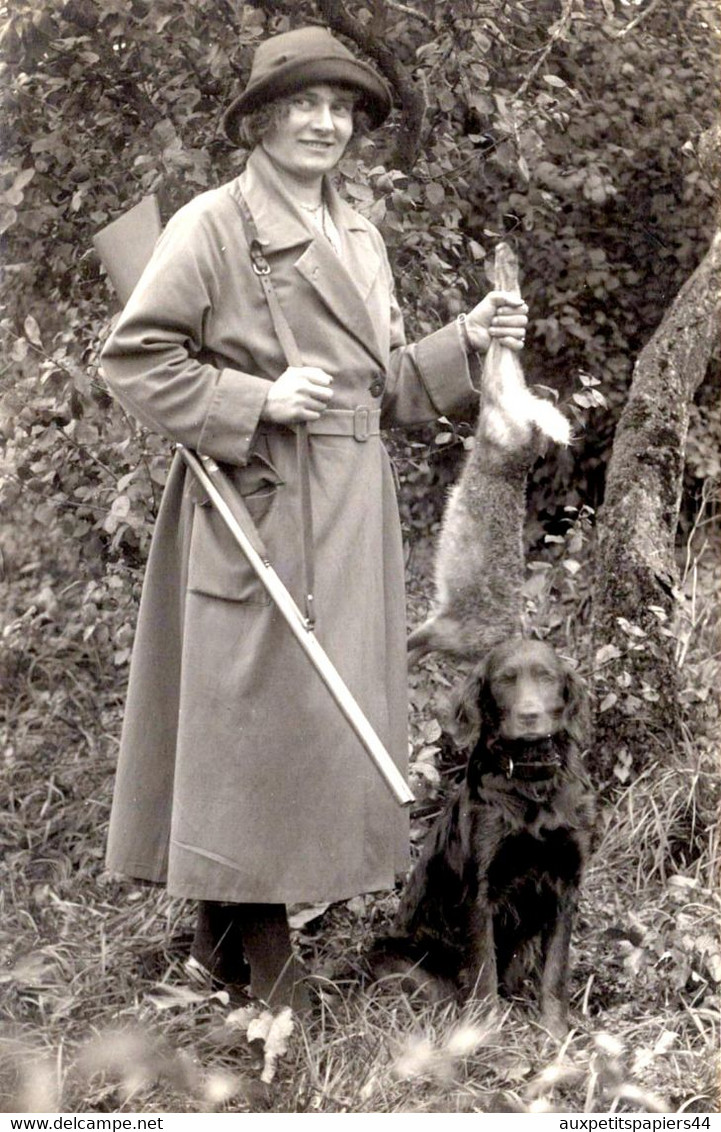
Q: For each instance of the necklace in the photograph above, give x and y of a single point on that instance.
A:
(319, 213)
(322, 221)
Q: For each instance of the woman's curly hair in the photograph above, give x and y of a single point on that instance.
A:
(254, 126)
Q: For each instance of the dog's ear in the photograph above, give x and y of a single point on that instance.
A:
(471, 707)
(577, 714)
(464, 713)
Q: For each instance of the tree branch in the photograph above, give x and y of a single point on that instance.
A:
(412, 99)
(636, 20)
(558, 29)
(406, 10)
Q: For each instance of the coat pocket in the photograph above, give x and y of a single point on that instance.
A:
(217, 566)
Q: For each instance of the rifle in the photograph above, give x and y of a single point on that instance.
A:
(124, 248)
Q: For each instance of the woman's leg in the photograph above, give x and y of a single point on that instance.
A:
(238, 941)
(218, 943)
(275, 973)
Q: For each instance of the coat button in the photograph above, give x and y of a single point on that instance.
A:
(377, 385)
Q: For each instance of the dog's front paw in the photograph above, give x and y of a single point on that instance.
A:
(479, 985)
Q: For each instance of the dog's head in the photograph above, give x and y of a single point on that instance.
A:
(522, 690)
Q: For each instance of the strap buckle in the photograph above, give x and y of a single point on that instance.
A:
(258, 261)
(361, 423)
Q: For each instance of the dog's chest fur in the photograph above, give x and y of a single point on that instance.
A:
(516, 841)
(535, 840)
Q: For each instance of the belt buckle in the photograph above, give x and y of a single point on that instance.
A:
(258, 261)
(361, 424)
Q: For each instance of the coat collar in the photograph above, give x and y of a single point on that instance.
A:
(343, 283)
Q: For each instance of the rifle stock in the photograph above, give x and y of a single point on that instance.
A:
(126, 245)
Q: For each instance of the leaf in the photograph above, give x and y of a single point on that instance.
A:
(435, 193)
(24, 178)
(608, 702)
(606, 653)
(159, 471)
(242, 1016)
(164, 133)
(13, 197)
(427, 771)
(554, 80)
(629, 628)
(432, 730)
(427, 754)
(571, 566)
(126, 480)
(306, 915)
(377, 211)
(358, 191)
(19, 349)
(170, 998)
(274, 1031)
(121, 507)
(32, 330)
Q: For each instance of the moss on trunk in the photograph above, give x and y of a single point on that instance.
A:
(635, 670)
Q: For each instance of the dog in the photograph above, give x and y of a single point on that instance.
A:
(497, 882)
(479, 565)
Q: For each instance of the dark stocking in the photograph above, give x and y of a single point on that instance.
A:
(229, 938)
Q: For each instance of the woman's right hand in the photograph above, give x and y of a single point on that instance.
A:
(301, 393)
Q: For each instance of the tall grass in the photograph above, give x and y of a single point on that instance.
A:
(99, 1012)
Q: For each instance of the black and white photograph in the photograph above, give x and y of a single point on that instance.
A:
(360, 533)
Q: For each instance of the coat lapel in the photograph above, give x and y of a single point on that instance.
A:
(342, 286)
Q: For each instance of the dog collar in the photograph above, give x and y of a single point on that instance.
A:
(534, 761)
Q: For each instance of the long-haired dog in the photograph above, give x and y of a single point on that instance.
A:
(478, 575)
(493, 894)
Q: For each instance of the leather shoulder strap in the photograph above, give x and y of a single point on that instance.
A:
(289, 346)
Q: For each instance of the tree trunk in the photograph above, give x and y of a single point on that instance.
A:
(634, 645)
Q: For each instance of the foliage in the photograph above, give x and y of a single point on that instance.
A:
(572, 128)
(99, 1012)
(539, 118)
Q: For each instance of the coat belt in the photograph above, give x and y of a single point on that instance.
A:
(360, 423)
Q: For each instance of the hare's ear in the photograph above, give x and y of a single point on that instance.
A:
(469, 707)
(577, 713)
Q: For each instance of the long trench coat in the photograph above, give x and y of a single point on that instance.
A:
(238, 780)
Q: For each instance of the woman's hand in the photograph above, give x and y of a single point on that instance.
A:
(500, 316)
(301, 393)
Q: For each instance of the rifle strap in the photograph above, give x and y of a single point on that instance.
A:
(289, 346)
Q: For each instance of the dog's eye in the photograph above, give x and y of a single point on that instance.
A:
(507, 678)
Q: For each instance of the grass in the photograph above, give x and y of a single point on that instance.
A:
(99, 1013)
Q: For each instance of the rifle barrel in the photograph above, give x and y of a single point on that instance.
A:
(232, 510)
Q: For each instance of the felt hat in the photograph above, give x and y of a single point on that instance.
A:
(288, 62)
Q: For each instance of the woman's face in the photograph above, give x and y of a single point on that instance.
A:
(309, 139)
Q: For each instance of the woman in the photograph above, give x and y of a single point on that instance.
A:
(239, 784)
